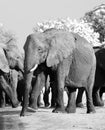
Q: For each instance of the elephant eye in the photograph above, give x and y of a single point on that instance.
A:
(40, 50)
(17, 57)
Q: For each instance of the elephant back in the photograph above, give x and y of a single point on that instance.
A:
(3, 62)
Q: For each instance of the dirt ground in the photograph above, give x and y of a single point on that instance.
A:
(44, 119)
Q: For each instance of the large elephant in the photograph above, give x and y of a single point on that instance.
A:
(73, 59)
(10, 61)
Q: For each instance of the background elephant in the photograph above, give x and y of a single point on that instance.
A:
(45, 77)
(11, 61)
(69, 55)
(99, 77)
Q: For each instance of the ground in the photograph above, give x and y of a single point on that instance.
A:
(44, 119)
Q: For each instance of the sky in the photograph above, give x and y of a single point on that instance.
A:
(20, 16)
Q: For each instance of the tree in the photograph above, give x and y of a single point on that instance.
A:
(97, 19)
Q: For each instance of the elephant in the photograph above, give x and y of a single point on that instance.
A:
(72, 58)
(99, 78)
(10, 62)
(99, 83)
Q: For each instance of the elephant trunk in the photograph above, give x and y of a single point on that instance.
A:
(21, 66)
(28, 80)
(30, 65)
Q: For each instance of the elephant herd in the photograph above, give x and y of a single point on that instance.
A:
(11, 62)
(55, 59)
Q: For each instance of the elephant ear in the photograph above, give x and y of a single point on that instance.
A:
(3, 62)
(61, 46)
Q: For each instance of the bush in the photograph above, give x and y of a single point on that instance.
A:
(81, 27)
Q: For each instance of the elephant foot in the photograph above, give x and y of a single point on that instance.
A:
(70, 109)
(80, 105)
(91, 110)
(30, 109)
(100, 103)
(40, 105)
(52, 106)
(59, 110)
(14, 105)
(34, 107)
(47, 104)
(23, 113)
(2, 105)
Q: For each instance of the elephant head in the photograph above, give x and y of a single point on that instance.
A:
(10, 57)
(51, 47)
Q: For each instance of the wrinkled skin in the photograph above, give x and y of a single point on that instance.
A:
(67, 53)
(99, 86)
(11, 62)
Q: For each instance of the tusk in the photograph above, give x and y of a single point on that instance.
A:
(34, 68)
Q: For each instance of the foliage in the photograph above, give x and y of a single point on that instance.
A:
(6, 35)
(97, 18)
(81, 27)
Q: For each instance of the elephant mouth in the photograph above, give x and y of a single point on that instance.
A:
(34, 68)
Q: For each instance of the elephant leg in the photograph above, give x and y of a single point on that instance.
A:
(28, 80)
(47, 91)
(89, 91)
(71, 106)
(54, 94)
(40, 100)
(36, 91)
(46, 97)
(53, 86)
(14, 82)
(96, 97)
(79, 98)
(60, 91)
(90, 106)
(20, 90)
(5, 86)
(2, 99)
(102, 90)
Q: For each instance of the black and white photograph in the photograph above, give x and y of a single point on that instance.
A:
(52, 65)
